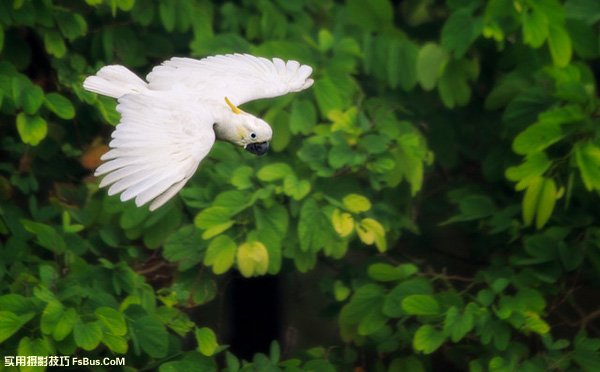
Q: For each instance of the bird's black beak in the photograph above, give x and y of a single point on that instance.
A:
(260, 148)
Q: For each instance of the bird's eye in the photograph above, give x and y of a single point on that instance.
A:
(252, 135)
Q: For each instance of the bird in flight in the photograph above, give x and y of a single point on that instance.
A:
(170, 123)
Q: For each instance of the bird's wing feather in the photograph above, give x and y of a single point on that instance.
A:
(156, 147)
(239, 77)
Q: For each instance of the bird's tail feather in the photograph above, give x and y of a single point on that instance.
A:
(114, 81)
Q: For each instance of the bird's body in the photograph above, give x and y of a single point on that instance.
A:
(169, 124)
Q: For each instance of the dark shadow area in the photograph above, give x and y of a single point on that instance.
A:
(255, 314)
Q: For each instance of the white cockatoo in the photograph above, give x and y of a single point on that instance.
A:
(169, 124)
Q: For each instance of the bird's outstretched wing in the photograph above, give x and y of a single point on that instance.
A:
(156, 147)
(240, 77)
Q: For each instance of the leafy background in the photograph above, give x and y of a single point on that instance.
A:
(431, 203)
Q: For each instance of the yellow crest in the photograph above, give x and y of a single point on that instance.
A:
(233, 107)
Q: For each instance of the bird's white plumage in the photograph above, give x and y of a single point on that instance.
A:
(166, 125)
(156, 147)
(240, 77)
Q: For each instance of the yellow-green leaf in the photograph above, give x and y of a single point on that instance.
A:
(343, 222)
(356, 203)
(252, 259)
(371, 231)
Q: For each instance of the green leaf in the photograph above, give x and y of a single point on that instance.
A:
(87, 335)
(167, 12)
(458, 32)
(151, 335)
(420, 305)
(303, 117)
(252, 259)
(32, 98)
(54, 43)
(295, 188)
(430, 64)
(273, 172)
(585, 10)
(587, 157)
(535, 28)
(546, 203)
(220, 254)
(408, 364)
(10, 323)
(328, 96)
(116, 344)
(537, 137)
(534, 323)
(457, 325)
(356, 203)
(311, 233)
(60, 105)
(535, 165)
(185, 246)
(65, 324)
(32, 129)
(392, 306)
(340, 291)
(214, 220)
(46, 236)
(453, 85)
(370, 15)
(72, 25)
(405, 64)
(112, 319)
(367, 298)
(387, 273)
(559, 42)
(427, 339)
(50, 316)
(539, 201)
(207, 341)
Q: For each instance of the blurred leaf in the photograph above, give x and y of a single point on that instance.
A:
(60, 105)
(535, 28)
(431, 61)
(343, 223)
(356, 203)
(112, 320)
(252, 259)
(459, 31)
(371, 15)
(11, 323)
(54, 44)
(273, 172)
(151, 335)
(220, 254)
(207, 341)
(87, 335)
(427, 339)
(32, 129)
(420, 305)
(560, 45)
(32, 98)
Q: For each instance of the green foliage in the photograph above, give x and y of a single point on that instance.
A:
(444, 168)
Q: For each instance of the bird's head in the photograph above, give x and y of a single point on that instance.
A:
(246, 130)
